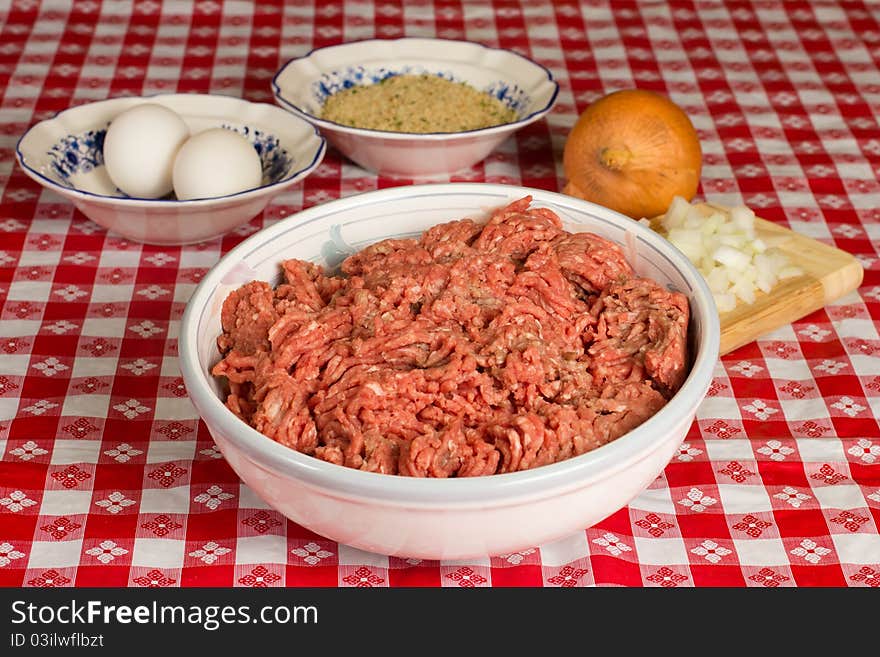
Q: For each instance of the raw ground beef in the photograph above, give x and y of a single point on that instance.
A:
(477, 349)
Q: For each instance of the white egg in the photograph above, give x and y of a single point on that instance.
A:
(139, 149)
(216, 162)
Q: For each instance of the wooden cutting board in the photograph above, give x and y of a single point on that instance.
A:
(829, 273)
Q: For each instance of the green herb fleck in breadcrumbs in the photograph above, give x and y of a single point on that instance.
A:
(416, 103)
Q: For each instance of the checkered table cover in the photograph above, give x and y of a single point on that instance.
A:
(107, 475)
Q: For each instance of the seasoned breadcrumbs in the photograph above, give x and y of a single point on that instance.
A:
(416, 103)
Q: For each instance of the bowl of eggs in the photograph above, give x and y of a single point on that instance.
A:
(415, 107)
(174, 168)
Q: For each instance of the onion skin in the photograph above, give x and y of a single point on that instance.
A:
(633, 151)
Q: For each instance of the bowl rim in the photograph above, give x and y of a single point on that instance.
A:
(429, 136)
(136, 202)
(496, 489)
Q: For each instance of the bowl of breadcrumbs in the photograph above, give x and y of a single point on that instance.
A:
(415, 107)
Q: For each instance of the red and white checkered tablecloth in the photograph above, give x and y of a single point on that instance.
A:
(107, 477)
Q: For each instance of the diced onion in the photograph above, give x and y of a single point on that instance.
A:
(736, 263)
(732, 258)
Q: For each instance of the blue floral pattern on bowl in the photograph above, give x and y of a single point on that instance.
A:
(328, 84)
(83, 153)
(77, 154)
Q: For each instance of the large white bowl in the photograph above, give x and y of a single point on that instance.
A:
(302, 86)
(65, 154)
(440, 518)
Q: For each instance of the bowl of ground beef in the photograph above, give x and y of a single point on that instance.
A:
(415, 107)
(449, 371)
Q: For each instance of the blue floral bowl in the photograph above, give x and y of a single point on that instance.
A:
(65, 154)
(304, 84)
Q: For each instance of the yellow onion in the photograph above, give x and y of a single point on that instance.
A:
(633, 151)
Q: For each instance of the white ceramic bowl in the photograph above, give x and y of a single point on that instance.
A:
(303, 84)
(65, 154)
(440, 518)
